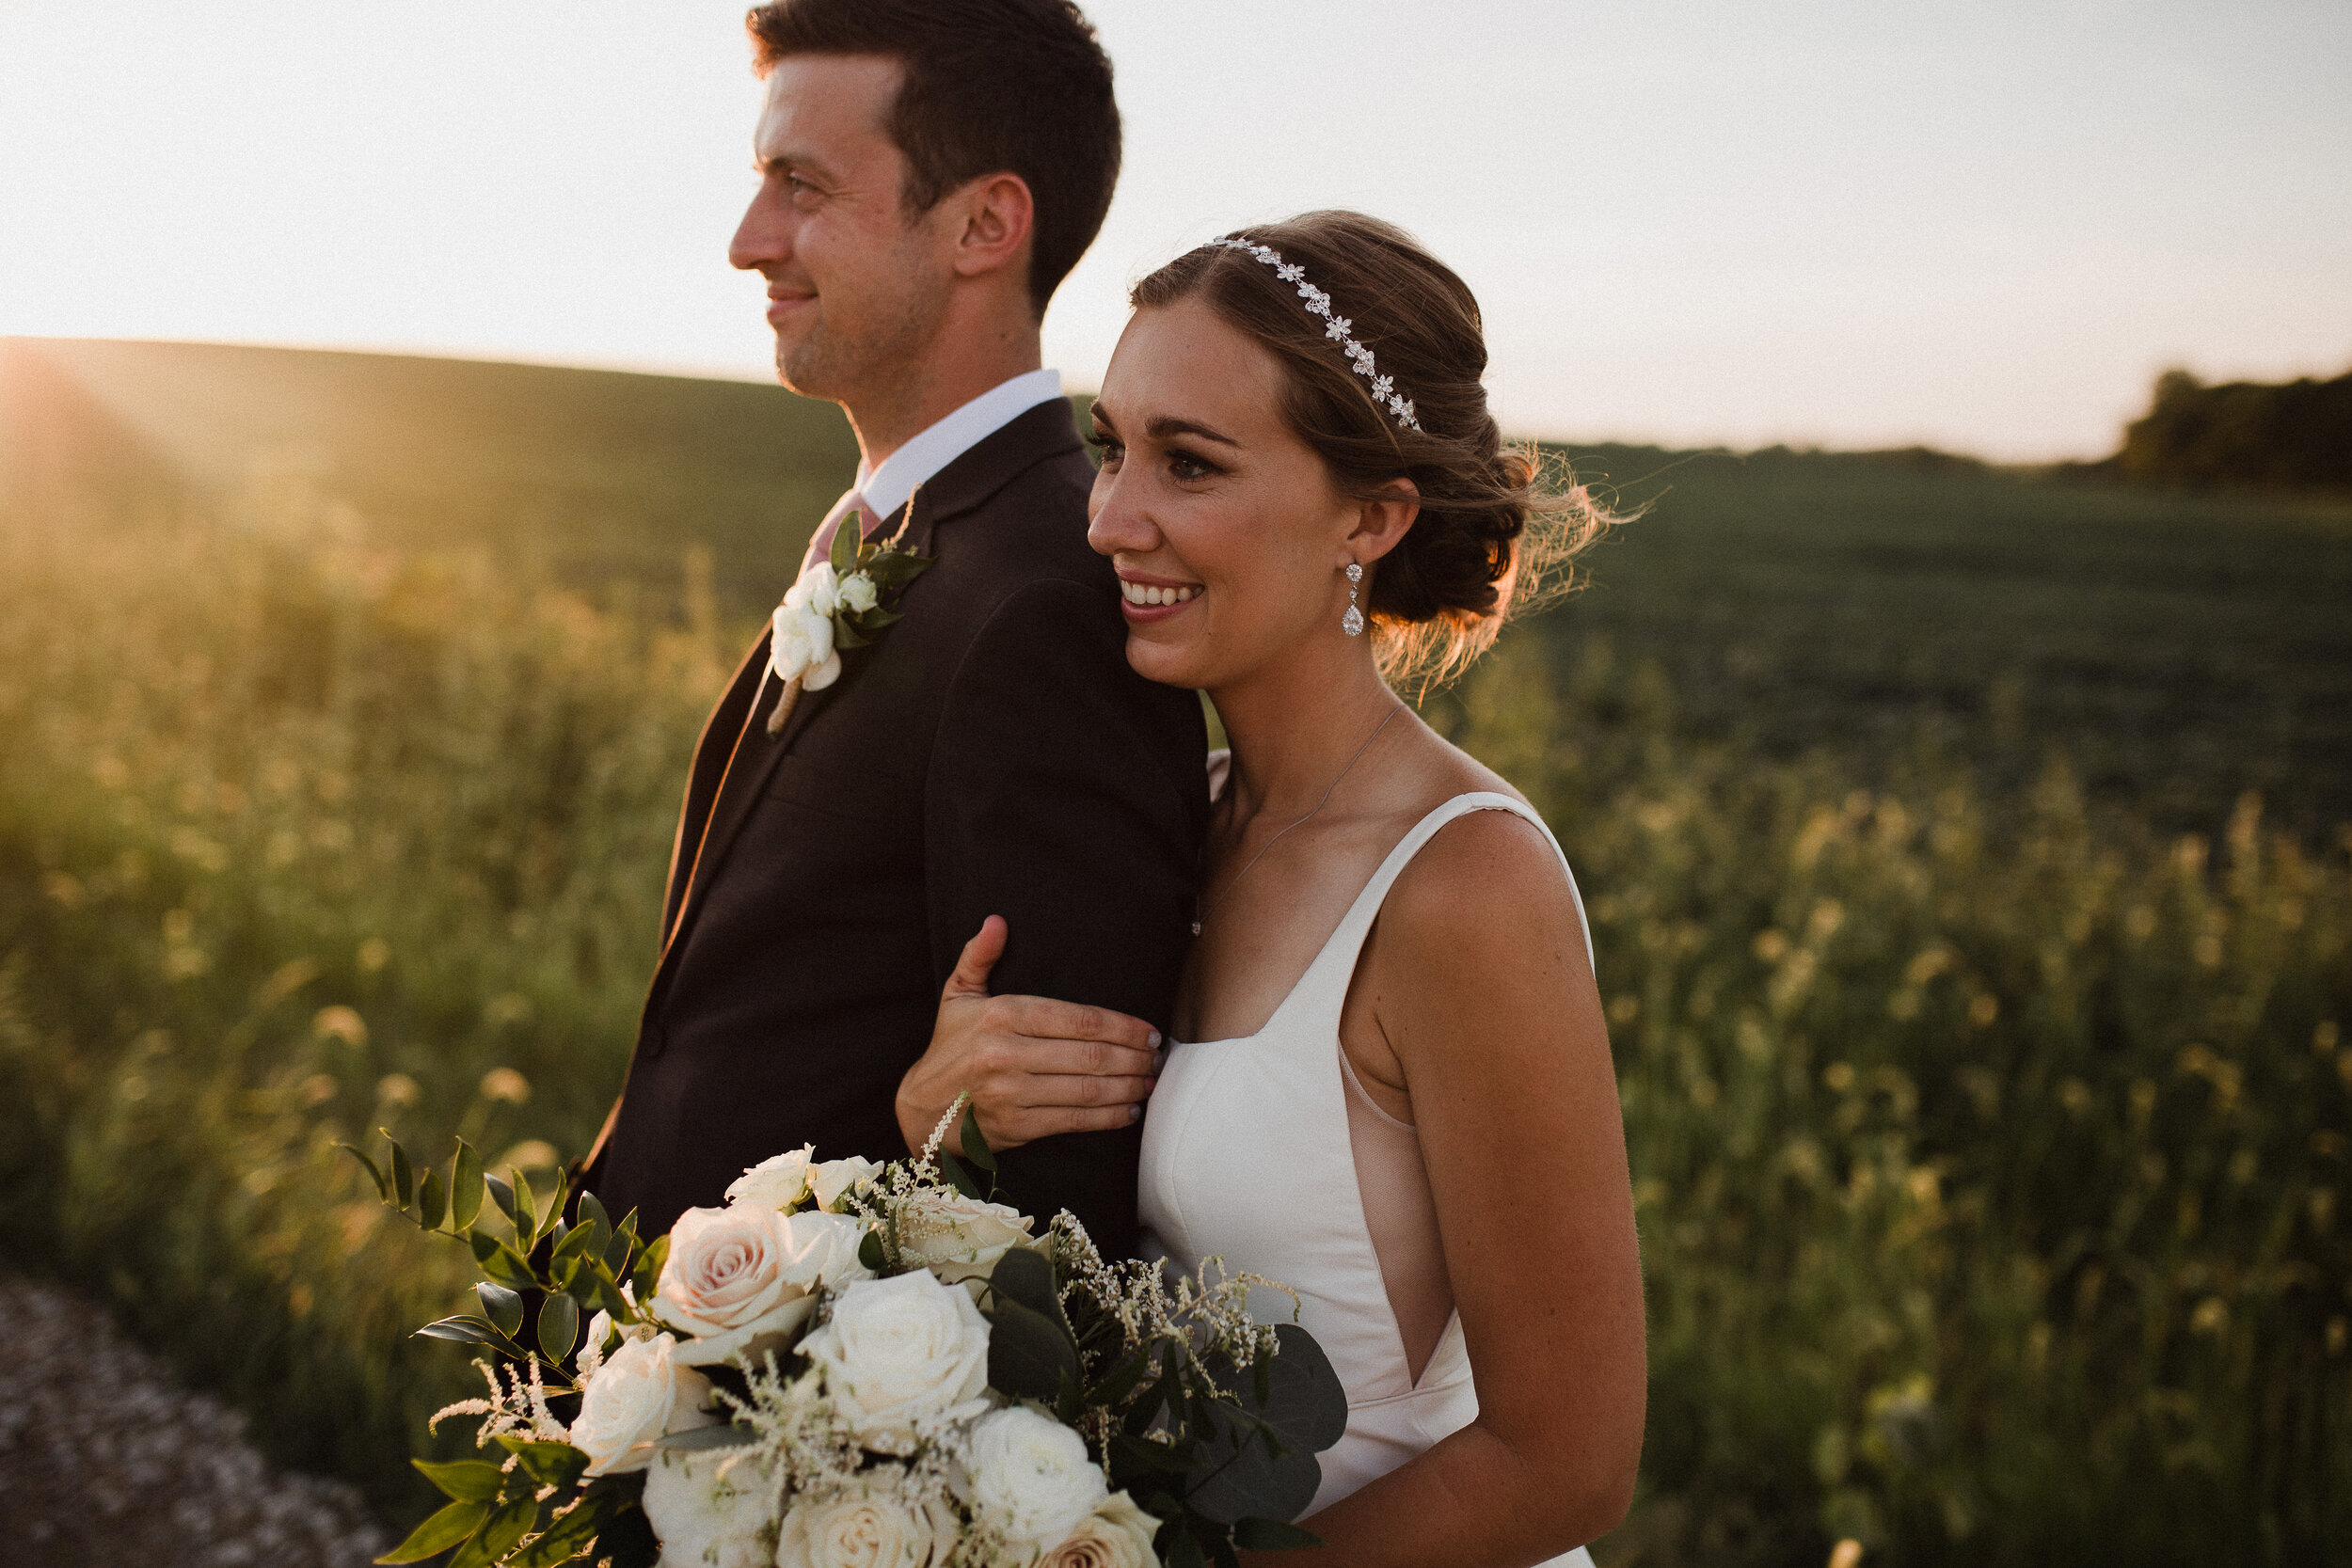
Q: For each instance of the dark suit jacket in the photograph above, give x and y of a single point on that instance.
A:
(992, 755)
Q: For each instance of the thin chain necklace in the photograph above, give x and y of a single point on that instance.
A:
(1200, 906)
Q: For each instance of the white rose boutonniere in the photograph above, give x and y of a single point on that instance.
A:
(837, 605)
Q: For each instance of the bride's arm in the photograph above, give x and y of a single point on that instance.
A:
(1477, 979)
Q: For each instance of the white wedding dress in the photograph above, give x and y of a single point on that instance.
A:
(1265, 1151)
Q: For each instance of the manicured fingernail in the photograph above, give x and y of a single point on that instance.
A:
(1134, 1112)
(1156, 1040)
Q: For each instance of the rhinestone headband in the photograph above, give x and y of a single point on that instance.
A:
(1384, 390)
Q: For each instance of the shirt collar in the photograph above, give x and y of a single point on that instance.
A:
(887, 488)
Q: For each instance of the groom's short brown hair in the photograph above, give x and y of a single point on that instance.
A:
(1017, 86)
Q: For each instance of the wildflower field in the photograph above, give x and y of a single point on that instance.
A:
(1967, 857)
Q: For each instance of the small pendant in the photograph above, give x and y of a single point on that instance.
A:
(1196, 928)
(1352, 621)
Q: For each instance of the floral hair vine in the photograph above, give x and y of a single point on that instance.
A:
(1337, 328)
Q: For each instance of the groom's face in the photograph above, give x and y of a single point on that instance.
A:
(857, 286)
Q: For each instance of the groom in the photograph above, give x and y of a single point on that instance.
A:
(930, 171)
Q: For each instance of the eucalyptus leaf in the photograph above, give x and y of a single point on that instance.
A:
(847, 537)
(383, 1187)
(438, 1534)
(526, 1210)
(466, 1329)
(465, 1187)
(616, 1253)
(432, 1202)
(1242, 1478)
(548, 1464)
(1028, 1278)
(558, 1200)
(507, 1524)
(507, 1267)
(502, 1194)
(469, 1480)
(559, 1327)
(976, 1147)
(591, 1211)
(403, 1179)
(572, 1534)
(958, 1177)
(1028, 1352)
(503, 1307)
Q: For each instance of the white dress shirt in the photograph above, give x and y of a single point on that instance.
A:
(887, 488)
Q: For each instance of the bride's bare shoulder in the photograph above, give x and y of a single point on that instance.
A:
(1486, 880)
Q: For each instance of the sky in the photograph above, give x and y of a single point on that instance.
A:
(1983, 226)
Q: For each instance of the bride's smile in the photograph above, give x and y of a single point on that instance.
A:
(1230, 537)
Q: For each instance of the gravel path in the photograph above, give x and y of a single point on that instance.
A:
(106, 1461)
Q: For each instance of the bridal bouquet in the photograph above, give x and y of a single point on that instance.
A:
(854, 1365)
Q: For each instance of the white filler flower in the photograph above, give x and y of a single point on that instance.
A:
(637, 1396)
(1029, 1477)
(741, 1278)
(898, 1352)
(777, 1182)
(1117, 1534)
(871, 1528)
(708, 1509)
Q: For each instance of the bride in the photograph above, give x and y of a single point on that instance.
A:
(1394, 1092)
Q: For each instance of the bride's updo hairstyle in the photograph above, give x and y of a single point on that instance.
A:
(1489, 532)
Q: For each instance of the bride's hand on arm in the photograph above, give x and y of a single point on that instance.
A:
(1479, 981)
(1035, 1068)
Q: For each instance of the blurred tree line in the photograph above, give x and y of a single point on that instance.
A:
(2289, 436)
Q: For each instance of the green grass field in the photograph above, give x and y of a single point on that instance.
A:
(1967, 859)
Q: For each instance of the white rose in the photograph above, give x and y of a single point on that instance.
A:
(778, 1182)
(1117, 1534)
(828, 1179)
(958, 1237)
(819, 587)
(865, 1529)
(857, 594)
(802, 644)
(1029, 1477)
(901, 1350)
(740, 1280)
(709, 1509)
(637, 1396)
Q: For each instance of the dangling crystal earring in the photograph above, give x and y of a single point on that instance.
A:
(1352, 621)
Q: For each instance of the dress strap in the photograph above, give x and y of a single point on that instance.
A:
(1324, 987)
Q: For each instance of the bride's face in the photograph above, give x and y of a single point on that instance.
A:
(1228, 536)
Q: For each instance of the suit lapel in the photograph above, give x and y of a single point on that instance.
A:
(1042, 432)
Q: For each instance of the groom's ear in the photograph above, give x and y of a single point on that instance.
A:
(995, 218)
(1385, 518)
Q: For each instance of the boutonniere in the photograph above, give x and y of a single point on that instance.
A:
(840, 603)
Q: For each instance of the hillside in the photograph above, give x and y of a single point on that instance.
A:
(2179, 648)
